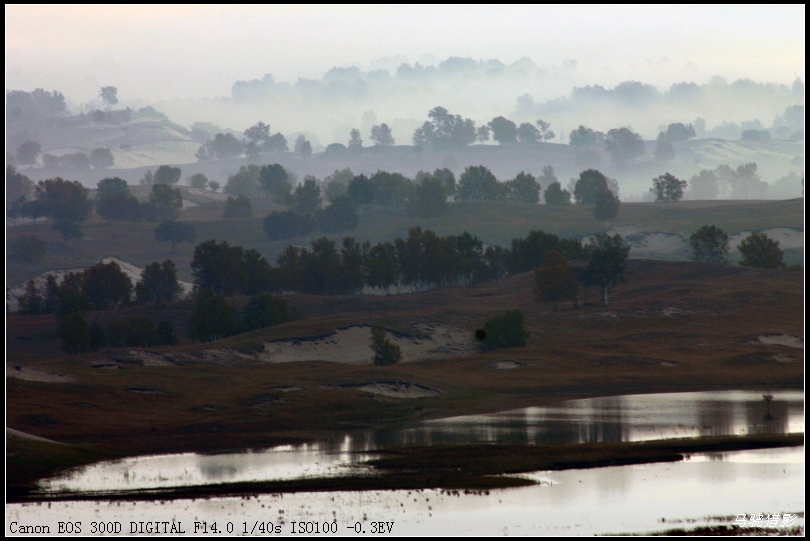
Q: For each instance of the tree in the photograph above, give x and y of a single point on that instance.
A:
(668, 188)
(607, 263)
(355, 141)
(385, 352)
(64, 200)
(448, 178)
(554, 280)
(198, 181)
(214, 185)
(175, 232)
(245, 181)
(338, 217)
(523, 188)
(238, 208)
(759, 250)
(28, 152)
(73, 334)
(337, 183)
(528, 134)
(361, 190)
(504, 331)
(381, 135)
(303, 147)
(108, 187)
(591, 182)
(106, 285)
(167, 174)
(606, 206)
(482, 134)
(709, 244)
(624, 146)
(219, 268)
(109, 95)
(545, 130)
(704, 185)
(664, 150)
(504, 131)
(308, 196)
(275, 182)
(680, 132)
(68, 229)
(555, 195)
(445, 131)
(213, 318)
(17, 185)
(101, 158)
(158, 283)
(583, 138)
(28, 250)
(477, 183)
(429, 199)
(223, 146)
(259, 135)
(31, 301)
(166, 202)
(265, 310)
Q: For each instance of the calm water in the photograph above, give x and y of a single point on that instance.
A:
(620, 499)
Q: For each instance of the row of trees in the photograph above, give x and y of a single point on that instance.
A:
(419, 261)
(214, 318)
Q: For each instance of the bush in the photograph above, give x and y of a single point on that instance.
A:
(385, 352)
(504, 331)
(265, 310)
(759, 250)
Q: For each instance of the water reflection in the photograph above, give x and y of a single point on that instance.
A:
(610, 419)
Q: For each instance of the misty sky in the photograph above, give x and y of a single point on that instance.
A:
(164, 52)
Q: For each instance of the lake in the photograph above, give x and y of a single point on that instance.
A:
(616, 499)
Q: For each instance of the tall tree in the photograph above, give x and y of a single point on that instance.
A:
(166, 201)
(382, 136)
(275, 182)
(64, 200)
(624, 146)
(555, 195)
(606, 206)
(28, 152)
(477, 183)
(355, 141)
(106, 286)
(167, 174)
(307, 196)
(158, 283)
(523, 188)
(590, 183)
(109, 95)
(668, 188)
(608, 262)
(554, 279)
(504, 131)
(175, 232)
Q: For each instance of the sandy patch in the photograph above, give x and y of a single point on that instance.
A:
(287, 389)
(31, 374)
(504, 365)
(353, 345)
(781, 340)
(391, 389)
(148, 358)
(787, 237)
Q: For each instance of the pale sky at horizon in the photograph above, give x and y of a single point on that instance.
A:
(164, 52)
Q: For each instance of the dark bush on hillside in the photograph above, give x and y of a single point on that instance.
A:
(265, 310)
(504, 331)
(385, 352)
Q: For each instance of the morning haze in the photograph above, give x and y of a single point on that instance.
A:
(338, 269)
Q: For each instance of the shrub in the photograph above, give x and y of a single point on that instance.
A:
(385, 352)
(504, 331)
